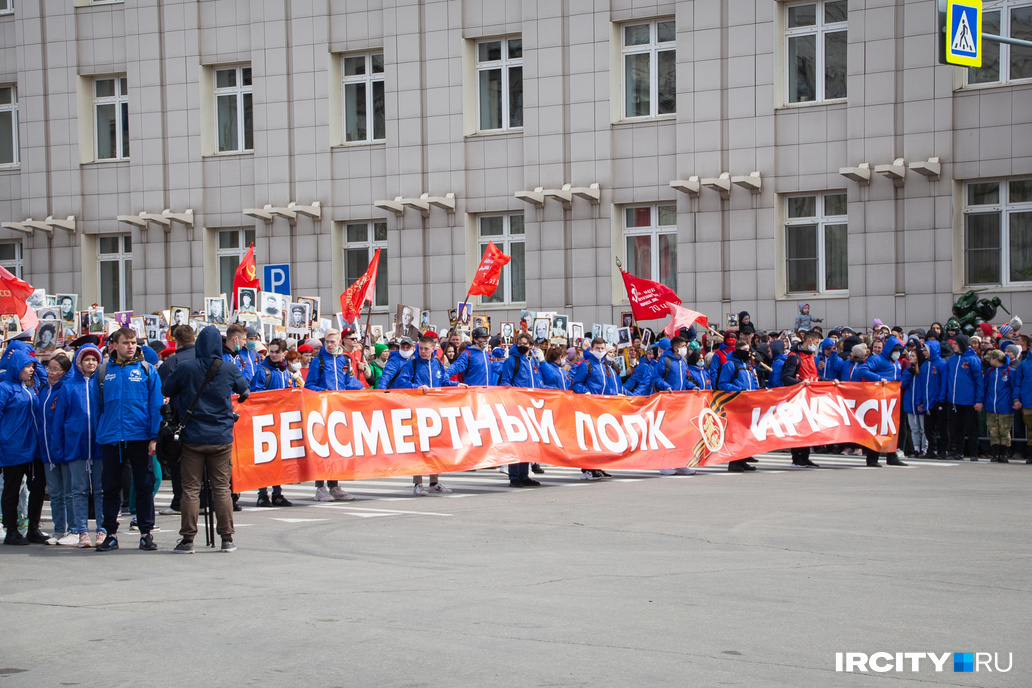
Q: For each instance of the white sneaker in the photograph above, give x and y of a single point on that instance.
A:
(419, 490)
(69, 540)
(684, 470)
(438, 488)
(340, 495)
(590, 476)
(503, 469)
(55, 539)
(169, 511)
(322, 495)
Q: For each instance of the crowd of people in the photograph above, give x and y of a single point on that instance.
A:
(83, 425)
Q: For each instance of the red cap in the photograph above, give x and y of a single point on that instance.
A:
(304, 349)
(347, 331)
(167, 352)
(431, 333)
(986, 328)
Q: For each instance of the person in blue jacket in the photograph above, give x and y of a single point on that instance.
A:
(829, 362)
(594, 376)
(883, 367)
(553, 373)
(19, 440)
(640, 382)
(520, 369)
(932, 381)
(1001, 400)
(1023, 386)
(474, 363)
(391, 377)
(778, 358)
(273, 374)
(851, 370)
(913, 401)
(59, 479)
(964, 395)
(77, 417)
(234, 350)
(330, 370)
(671, 372)
(130, 396)
(698, 376)
(736, 375)
(26, 348)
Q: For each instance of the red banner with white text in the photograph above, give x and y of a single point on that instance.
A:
(293, 436)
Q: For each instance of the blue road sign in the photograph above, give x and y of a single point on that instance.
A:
(277, 279)
(964, 37)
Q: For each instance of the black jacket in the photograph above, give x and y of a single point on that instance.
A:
(186, 353)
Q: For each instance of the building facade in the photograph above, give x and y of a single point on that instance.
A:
(753, 155)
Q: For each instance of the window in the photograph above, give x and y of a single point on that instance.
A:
(650, 235)
(649, 61)
(11, 257)
(998, 232)
(231, 245)
(500, 83)
(234, 127)
(1002, 63)
(364, 118)
(507, 233)
(6, 6)
(361, 239)
(115, 271)
(111, 118)
(816, 239)
(8, 125)
(816, 51)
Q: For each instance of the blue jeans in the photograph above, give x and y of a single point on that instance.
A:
(133, 452)
(59, 483)
(86, 476)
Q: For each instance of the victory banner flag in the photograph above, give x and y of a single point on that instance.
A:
(297, 435)
(246, 275)
(357, 294)
(489, 272)
(648, 299)
(683, 317)
(14, 295)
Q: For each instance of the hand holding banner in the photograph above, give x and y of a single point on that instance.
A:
(648, 299)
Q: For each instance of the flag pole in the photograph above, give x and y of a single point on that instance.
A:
(369, 315)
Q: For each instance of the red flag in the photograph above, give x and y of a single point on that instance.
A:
(485, 281)
(358, 293)
(14, 293)
(246, 275)
(682, 317)
(648, 299)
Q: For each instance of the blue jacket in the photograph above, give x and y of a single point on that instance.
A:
(212, 419)
(999, 392)
(131, 405)
(248, 363)
(698, 378)
(328, 372)
(964, 385)
(418, 372)
(851, 371)
(881, 366)
(829, 363)
(736, 376)
(778, 358)
(19, 433)
(913, 394)
(391, 377)
(48, 430)
(26, 348)
(670, 372)
(1023, 382)
(521, 371)
(475, 366)
(593, 376)
(721, 355)
(77, 415)
(270, 376)
(553, 375)
(932, 378)
(641, 380)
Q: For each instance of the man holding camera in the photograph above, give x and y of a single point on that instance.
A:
(202, 391)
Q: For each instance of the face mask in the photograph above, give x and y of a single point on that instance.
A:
(683, 351)
(895, 355)
(253, 346)
(742, 355)
(294, 367)
(523, 350)
(812, 349)
(610, 358)
(236, 347)
(700, 363)
(539, 355)
(406, 354)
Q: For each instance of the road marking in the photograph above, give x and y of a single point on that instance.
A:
(386, 511)
(299, 520)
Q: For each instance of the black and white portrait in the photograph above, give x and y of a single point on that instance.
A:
(50, 313)
(46, 337)
(68, 303)
(611, 335)
(247, 300)
(215, 310)
(180, 316)
(96, 320)
(623, 337)
(424, 320)
(508, 331)
(271, 305)
(405, 323)
(37, 299)
(559, 324)
(542, 326)
(298, 317)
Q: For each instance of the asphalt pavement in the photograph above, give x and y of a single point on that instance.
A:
(715, 579)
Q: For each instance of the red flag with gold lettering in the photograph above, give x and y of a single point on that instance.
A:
(358, 293)
(246, 274)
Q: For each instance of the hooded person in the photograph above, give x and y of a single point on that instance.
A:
(804, 321)
(722, 354)
(331, 368)
(670, 371)
(19, 437)
(828, 362)
(800, 368)
(964, 395)
(737, 375)
(77, 414)
(474, 364)
(376, 365)
(745, 324)
(59, 478)
(520, 369)
(593, 376)
(778, 356)
(881, 368)
(26, 348)
(207, 436)
(932, 381)
(1001, 400)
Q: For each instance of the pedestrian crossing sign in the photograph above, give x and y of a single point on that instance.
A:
(964, 37)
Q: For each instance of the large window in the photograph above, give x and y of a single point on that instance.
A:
(500, 83)
(649, 69)
(816, 51)
(361, 239)
(998, 232)
(507, 233)
(650, 236)
(6, 6)
(111, 118)
(364, 118)
(8, 125)
(816, 241)
(1002, 63)
(115, 271)
(233, 119)
(230, 247)
(11, 257)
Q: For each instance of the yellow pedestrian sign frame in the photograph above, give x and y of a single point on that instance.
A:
(964, 32)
